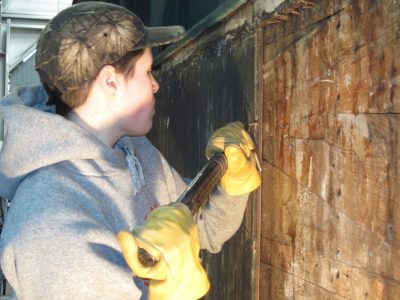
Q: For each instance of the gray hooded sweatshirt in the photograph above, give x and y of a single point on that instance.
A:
(71, 194)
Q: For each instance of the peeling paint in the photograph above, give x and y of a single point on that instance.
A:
(224, 44)
(167, 122)
(357, 123)
(299, 164)
(289, 287)
(310, 172)
(325, 177)
(347, 80)
(266, 6)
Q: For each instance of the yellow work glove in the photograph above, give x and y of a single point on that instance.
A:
(241, 176)
(170, 235)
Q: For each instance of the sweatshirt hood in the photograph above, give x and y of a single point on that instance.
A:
(36, 137)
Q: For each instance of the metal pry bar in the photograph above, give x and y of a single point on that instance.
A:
(195, 194)
(201, 186)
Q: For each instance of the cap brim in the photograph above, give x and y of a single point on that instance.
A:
(157, 36)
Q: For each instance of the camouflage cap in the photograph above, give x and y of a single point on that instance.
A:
(84, 37)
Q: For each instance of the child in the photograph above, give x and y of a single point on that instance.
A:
(79, 176)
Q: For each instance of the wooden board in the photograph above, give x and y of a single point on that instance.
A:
(331, 150)
(210, 88)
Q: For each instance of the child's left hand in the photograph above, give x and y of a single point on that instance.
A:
(241, 176)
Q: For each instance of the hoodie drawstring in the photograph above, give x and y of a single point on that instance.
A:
(135, 169)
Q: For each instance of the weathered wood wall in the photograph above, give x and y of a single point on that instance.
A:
(206, 83)
(330, 224)
(211, 87)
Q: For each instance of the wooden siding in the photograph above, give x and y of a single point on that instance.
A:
(330, 88)
(213, 86)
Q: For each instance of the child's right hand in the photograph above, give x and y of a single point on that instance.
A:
(170, 236)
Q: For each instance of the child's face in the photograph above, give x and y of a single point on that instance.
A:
(135, 98)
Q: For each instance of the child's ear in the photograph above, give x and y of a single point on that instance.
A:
(109, 80)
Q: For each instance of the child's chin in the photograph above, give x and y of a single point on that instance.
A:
(144, 131)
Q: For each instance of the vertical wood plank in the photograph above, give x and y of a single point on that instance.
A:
(211, 87)
(330, 222)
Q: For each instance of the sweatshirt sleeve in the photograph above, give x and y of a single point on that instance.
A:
(221, 215)
(220, 218)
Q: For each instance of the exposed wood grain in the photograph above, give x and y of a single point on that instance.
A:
(277, 284)
(258, 133)
(326, 247)
(330, 223)
(213, 86)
